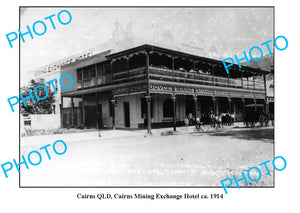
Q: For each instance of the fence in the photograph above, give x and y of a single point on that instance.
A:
(44, 121)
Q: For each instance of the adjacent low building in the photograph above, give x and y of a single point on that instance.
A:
(150, 86)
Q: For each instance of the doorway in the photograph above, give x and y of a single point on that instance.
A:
(90, 120)
(99, 116)
(189, 106)
(126, 114)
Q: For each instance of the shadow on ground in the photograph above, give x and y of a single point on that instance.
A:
(266, 135)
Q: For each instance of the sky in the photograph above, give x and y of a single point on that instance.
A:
(216, 33)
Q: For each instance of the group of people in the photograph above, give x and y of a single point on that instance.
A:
(227, 119)
(220, 120)
(223, 119)
(263, 118)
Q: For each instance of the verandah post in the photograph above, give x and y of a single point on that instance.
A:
(148, 97)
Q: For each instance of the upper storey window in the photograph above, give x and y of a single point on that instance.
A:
(93, 75)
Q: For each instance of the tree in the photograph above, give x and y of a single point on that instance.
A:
(40, 106)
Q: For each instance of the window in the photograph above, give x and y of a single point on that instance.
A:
(86, 74)
(99, 70)
(92, 73)
(107, 69)
(103, 74)
(100, 75)
(107, 73)
(168, 108)
(79, 75)
(96, 74)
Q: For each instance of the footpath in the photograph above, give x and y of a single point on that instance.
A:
(119, 133)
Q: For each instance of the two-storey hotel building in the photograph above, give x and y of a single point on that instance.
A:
(150, 86)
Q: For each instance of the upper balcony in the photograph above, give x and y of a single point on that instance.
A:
(168, 66)
(196, 77)
(192, 77)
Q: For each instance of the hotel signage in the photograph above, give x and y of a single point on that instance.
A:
(160, 88)
(167, 89)
(130, 90)
(205, 92)
(236, 94)
(222, 93)
(185, 90)
(179, 90)
(57, 65)
(248, 95)
(260, 96)
(170, 89)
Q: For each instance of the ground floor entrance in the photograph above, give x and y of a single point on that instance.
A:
(107, 110)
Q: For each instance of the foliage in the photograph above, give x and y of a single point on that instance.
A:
(40, 106)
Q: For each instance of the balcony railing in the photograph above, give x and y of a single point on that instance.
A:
(131, 75)
(92, 82)
(201, 78)
(164, 74)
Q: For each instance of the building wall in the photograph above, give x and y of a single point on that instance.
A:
(135, 111)
(136, 114)
(104, 100)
